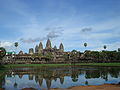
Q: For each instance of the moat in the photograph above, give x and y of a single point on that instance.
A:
(57, 77)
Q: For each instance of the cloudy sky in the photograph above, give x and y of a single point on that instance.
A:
(71, 22)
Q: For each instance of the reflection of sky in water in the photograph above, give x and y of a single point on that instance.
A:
(26, 82)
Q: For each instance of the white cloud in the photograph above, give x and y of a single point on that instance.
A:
(6, 44)
(9, 46)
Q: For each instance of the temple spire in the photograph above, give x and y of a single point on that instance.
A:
(55, 47)
(40, 47)
(61, 47)
(48, 44)
(36, 49)
(31, 51)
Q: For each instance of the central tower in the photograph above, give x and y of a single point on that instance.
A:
(48, 44)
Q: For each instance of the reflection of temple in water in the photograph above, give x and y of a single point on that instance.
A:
(2, 79)
(48, 74)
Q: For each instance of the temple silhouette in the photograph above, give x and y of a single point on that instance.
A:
(48, 49)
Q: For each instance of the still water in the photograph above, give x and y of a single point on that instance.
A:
(57, 77)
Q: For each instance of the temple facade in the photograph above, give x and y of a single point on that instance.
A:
(48, 48)
(31, 51)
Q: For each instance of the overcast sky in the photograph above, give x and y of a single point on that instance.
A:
(72, 22)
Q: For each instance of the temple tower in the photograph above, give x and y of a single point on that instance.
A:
(40, 48)
(48, 44)
(36, 49)
(55, 47)
(31, 51)
(21, 53)
(61, 47)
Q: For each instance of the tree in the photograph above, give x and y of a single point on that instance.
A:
(85, 44)
(16, 44)
(74, 51)
(2, 52)
(104, 46)
(49, 55)
(118, 49)
(66, 56)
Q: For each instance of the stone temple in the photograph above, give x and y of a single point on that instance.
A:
(56, 52)
(41, 55)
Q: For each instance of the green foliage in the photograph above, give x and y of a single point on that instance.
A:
(87, 53)
(33, 55)
(85, 44)
(103, 56)
(73, 55)
(118, 49)
(66, 56)
(16, 44)
(2, 52)
(74, 51)
(49, 55)
(37, 55)
(104, 46)
(40, 54)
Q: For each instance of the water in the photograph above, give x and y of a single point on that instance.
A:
(58, 77)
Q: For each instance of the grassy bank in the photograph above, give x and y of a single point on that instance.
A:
(81, 64)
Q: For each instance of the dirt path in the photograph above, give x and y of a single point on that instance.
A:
(100, 87)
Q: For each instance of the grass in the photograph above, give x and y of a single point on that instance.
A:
(14, 65)
(81, 64)
(2, 67)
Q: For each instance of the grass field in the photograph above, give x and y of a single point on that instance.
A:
(81, 64)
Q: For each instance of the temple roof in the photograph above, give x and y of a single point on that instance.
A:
(48, 44)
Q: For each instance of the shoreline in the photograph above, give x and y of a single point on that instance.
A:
(78, 64)
(92, 87)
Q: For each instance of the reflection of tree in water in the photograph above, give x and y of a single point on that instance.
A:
(36, 78)
(74, 79)
(104, 74)
(20, 76)
(55, 79)
(15, 84)
(74, 74)
(53, 73)
(2, 79)
(48, 83)
(40, 81)
(86, 82)
(114, 72)
(62, 79)
(99, 72)
(92, 74)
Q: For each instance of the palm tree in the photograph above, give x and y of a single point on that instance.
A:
(0, 43)
(118, 49)
(16, 44)
(104, 46)
(15, 84)
(2, 52)
(85, 44)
